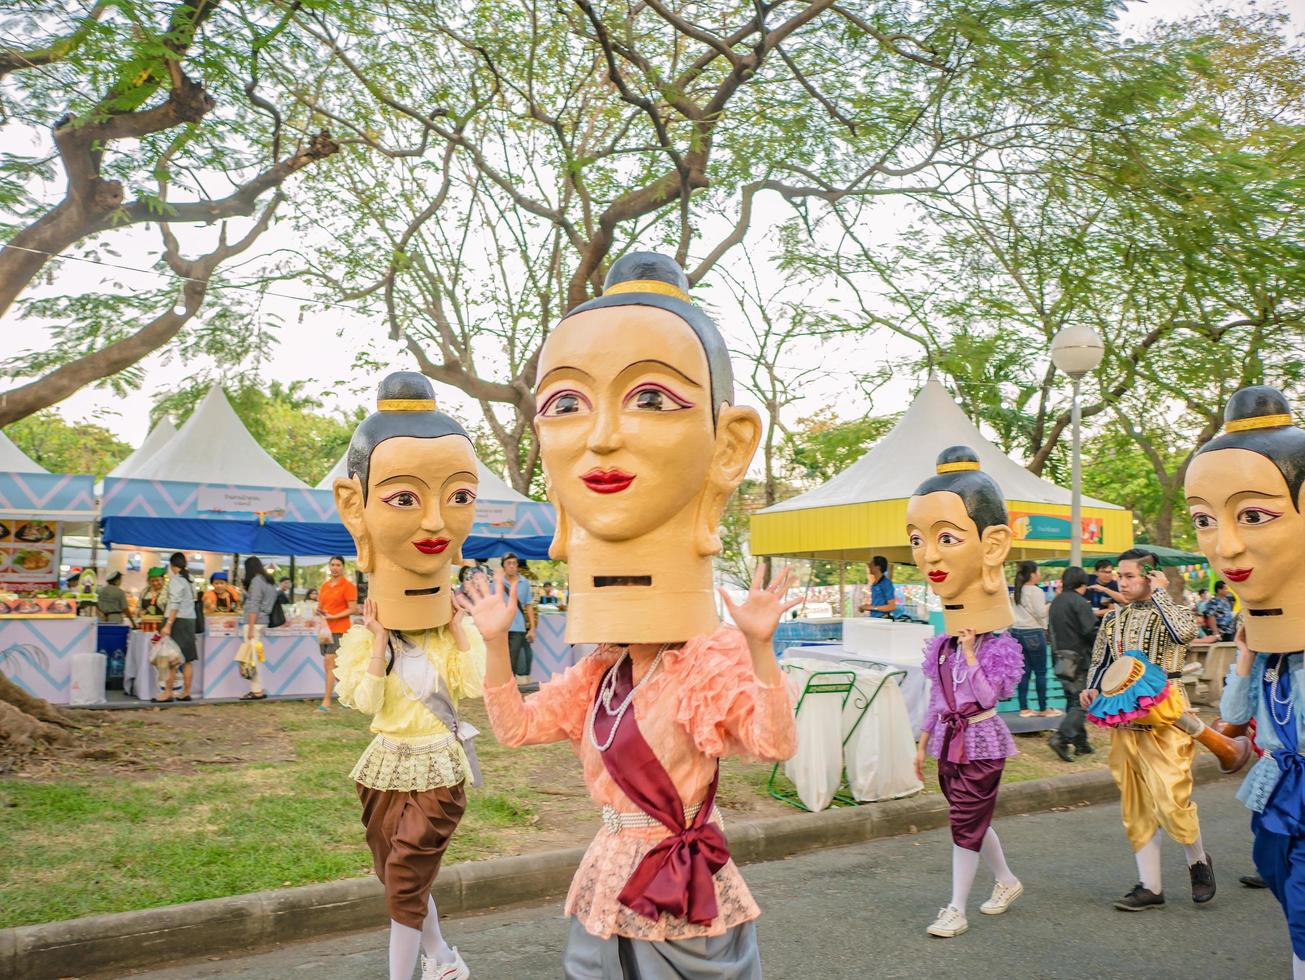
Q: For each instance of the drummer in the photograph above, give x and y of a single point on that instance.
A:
(1151, 766)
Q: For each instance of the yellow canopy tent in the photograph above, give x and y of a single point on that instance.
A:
(862, 511)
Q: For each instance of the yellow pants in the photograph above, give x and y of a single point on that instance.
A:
(1153, 770)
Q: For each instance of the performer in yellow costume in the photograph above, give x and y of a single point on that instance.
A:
(1151, 765)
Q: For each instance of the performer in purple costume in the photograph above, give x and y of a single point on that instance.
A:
(959, 539)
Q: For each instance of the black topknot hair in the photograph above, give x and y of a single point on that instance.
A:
(983, 499)
(390, 423)
(1283, 445)
(654, 267)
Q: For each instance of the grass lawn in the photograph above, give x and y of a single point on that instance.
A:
(163, 806)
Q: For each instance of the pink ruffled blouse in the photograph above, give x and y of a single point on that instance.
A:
(704, 702)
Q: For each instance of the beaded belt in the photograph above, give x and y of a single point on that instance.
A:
(981, 716)
(405, 749)
(616, 821)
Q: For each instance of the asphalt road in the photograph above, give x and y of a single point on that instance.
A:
(861, 912)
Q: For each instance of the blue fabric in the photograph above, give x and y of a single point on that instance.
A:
(882, 593)
(1100, 598)
(523, 599)
(1034, 644)
(1240, 703)
(1151, 683)
(1282, 811)
(1280, 860)
(1221, 610)
(283, 538)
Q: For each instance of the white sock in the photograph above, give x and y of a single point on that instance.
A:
(995, 858)
(1195, 851)
(1297, 968)
(405, 941)
(965, 864)
(1148, 864)
(432, 940)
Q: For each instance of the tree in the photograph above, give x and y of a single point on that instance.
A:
(512, 155)
(68, 447)
(145, 103)
(284, 419)
(820, 446)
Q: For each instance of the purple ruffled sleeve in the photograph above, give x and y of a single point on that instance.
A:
(932, 647)
(1001, 660)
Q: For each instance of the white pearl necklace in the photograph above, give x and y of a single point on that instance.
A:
(607, 691)
(1274, 676)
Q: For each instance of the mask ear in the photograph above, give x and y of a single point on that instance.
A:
(349, 505)
(738, 432)
(562, 533)
(996, 540)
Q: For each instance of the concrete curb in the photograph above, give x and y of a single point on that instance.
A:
(221, 926)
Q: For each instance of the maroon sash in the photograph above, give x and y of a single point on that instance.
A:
(674, 877)
(953, 743)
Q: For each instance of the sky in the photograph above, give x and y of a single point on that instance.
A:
(326, 341)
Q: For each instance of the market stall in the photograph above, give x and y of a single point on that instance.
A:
(41, 635)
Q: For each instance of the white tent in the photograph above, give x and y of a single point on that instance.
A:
(158, 437)
(14, 460)
(215, 447)
(904, 458)
(492, 487)
(861, 511)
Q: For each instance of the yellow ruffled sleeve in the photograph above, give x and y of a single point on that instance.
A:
(463, 670)
(355, 687)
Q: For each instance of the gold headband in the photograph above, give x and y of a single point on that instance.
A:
(1257, 422)
(648, 286)
(956, 467)
(405, 405)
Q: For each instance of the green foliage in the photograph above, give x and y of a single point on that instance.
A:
(68, 447)
(295, 427)
(820, 446)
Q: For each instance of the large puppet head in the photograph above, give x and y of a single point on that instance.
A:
(960, 536)
(1244, 492)
(642, 446)
(409, 501)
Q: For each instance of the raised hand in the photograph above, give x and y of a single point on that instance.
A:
(760, 612)
(371, 612)
(486, 606)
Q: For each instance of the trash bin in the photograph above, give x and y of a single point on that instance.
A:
(111, 640)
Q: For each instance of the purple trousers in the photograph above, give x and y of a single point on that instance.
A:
(971, 791)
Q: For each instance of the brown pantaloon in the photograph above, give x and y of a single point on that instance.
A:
(408, 833)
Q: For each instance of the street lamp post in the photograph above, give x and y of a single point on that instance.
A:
(1075, 351)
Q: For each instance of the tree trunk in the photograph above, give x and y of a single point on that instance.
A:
(41, 710)
(29, 724)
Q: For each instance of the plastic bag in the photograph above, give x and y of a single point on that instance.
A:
(324, 634)
(165, 654)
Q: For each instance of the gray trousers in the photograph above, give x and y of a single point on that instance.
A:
(732, 956)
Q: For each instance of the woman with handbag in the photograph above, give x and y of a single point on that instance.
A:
(179, 623)
(260, 597)
(1073, 630)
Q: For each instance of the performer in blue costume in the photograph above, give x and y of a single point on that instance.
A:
(1244, 493)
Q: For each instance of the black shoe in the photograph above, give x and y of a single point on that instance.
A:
(1253, 881)
(1202, 880)
(1060, 749)
(1140, 899)
(1084, 749)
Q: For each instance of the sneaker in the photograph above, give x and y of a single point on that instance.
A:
(1140, 899)
(1002, 898)
(950, 922)
(1060, 749)
(1083, 750)
(457, 970)
(1202, 874)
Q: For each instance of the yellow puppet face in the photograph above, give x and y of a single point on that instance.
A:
(1249, 528)
(420, 506)
(637, 470)
(964, 567)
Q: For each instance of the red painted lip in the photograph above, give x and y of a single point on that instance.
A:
(607, 481)
(431, 546)
(1237, 574)
(937, 576)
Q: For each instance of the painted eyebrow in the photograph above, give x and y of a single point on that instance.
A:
(465, 476)
(401, 476)
(560, 368)
(664, 366)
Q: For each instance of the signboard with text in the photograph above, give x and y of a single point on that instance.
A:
(1027, 526)
(236, 501)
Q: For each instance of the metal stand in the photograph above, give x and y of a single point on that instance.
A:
(834, 682)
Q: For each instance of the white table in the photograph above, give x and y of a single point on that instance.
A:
(141, 680)
(914, 687)
(873, 744)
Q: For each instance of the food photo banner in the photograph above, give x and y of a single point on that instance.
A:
(29, 555)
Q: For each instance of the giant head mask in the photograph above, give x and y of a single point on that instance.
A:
(409, 501)
(960, 537)
(1244, 493)
(641, 447)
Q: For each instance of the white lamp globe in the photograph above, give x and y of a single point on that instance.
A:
(1076, 350)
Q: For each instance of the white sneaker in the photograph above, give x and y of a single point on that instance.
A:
(950, 922)
(457, 970)
(1002, 897)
